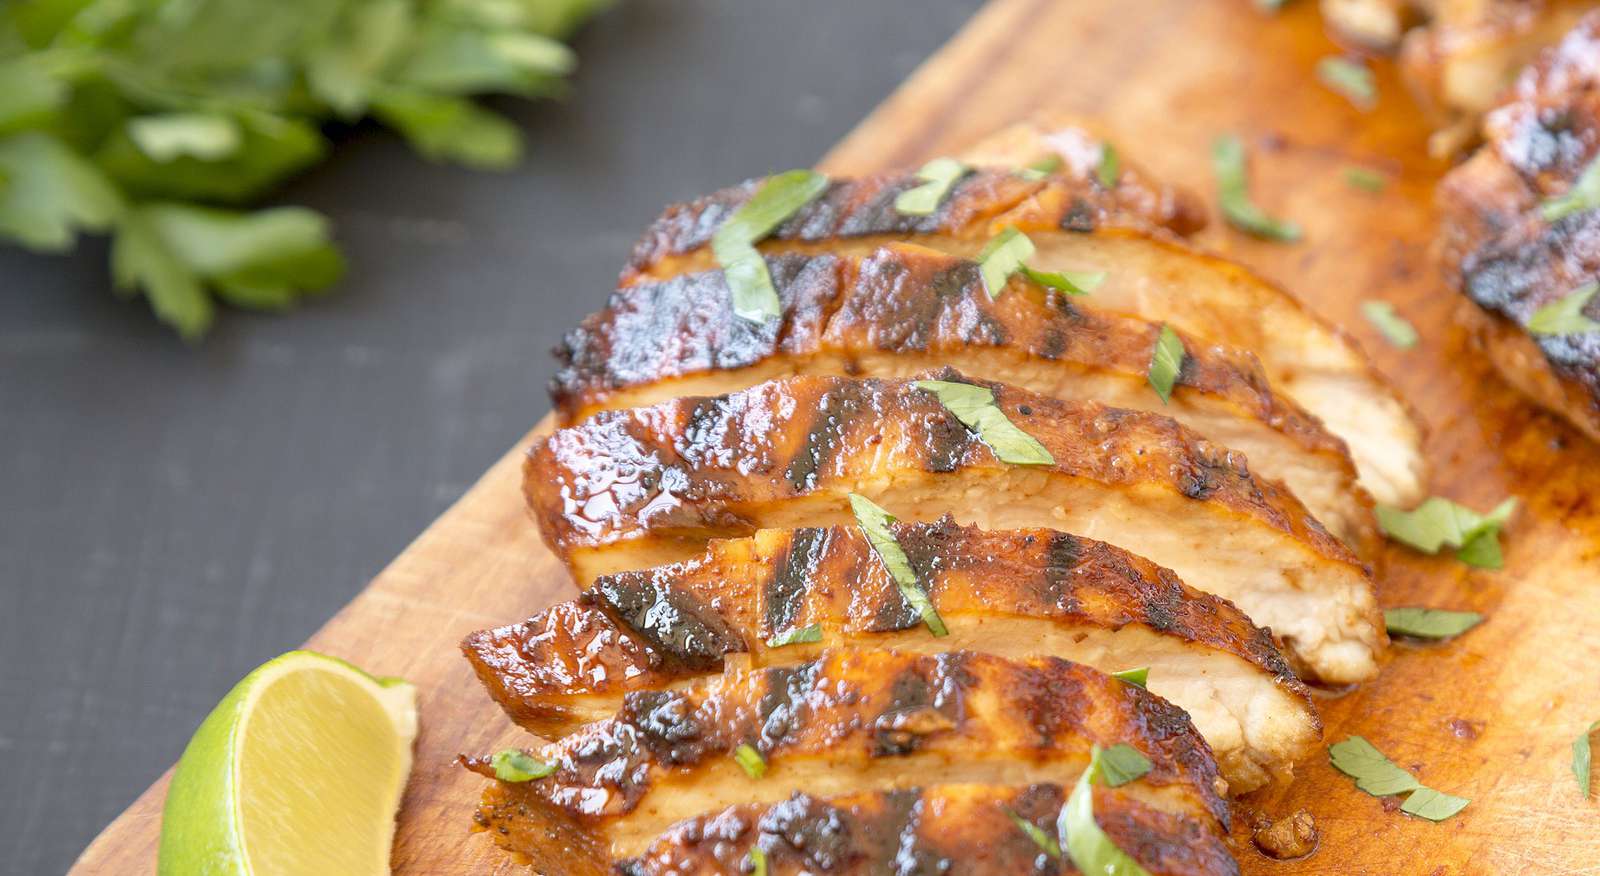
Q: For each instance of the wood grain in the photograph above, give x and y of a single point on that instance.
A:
(1489, 717)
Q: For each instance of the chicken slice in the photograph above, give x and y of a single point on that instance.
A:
(1505, 256)
(846, 722)
(648, 486)
(1019, 593)
(1079, 226)
(960, 830)
(906, 309)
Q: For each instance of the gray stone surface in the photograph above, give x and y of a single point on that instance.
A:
(173, 516)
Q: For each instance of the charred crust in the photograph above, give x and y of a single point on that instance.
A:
(674, 622)
(794, 570)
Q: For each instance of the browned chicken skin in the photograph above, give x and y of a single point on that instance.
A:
(1014, 594)
(637, 488)
(906, 309)
(1079, 225)
(845, 723)
(1505, 256)
(961, 830)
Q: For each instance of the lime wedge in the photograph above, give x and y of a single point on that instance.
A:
(298, 771)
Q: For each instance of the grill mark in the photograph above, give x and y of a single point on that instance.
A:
(1080, 217)
(792, 576)
(836, 411)
(673, 621)
(782, 708)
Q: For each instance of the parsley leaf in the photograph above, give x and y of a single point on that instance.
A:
(1584, 195)
(975, 407)
(1086, 844)
(1394, 327)
(1566, 317)
(1233, 194)
(1002, 257)
(1040, 837)
(1121, 764)
(1166, 361)
(1070, 282)
(1137, 677)
(874, 523)
(938, 177)
(1429, 623)
(1041, 167)
(1109, 170)
(1373, 772)
(1433, 805)
(1377, 775)
(513, 765)
(734, 244)
(1582, 757)
(750, 760)
(1438, 522)
(1351, 79)
(114, 114)
(796, 636)
(1365, 179)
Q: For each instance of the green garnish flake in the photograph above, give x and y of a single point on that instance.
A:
(1002, 257)
(1070, 282)
(1086, 845)
(1395, 328)
(734, 245)
(1040, 837)
(975, 407)
(796, 636)
(1041, 167)
(1582, 758)
(1584, 195)
(757, 860)
(938, 177)
(1136, 677)
(515, 765)
(1366, 179)
(1233, 194)
(874, 523)
(1351, 79)
(1429, 623)
(750, 760)
(1109, 170)
(1166, 360)
(1565, 317)
(1433, 805)
(1121, 764)
(1007, 253)
(1439, 522)
(1373, 772)
(1379, 776)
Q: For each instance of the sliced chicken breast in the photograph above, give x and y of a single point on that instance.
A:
(1506, 256)
(1078, 225)
(1019, 593)
(643, 487)
(961, 830)
(906, 309)
(848, 722)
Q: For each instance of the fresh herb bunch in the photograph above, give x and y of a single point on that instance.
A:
(158, 121)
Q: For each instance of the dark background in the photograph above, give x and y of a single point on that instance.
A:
(172, 516)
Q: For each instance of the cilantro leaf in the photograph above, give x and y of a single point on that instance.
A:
(1373, 772)
(1395, 328)
(513, 765)
(1429, 623)
(1085, 843)
(445, 128)
(1121, 764)
(975, 407)
(750, 760)
(1039, 835)
(51, 193)
(874, 523)
(938, 177)
(796, 636)
(1433, 805)
(1582, 757)
(1438, 522)
(1566, 317)
(1138, 676)
(1584, 195)
(1166, 362)
(1351, 79)
(1233, 194)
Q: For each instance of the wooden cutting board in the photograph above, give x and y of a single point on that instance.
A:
(1490, 717)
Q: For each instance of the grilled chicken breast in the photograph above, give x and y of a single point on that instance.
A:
(1077, 224)
(844, 723)
(906, 309)
(1013, 594)
(1457, 55)
(961, 830)
(638, 488)
(1501, 251)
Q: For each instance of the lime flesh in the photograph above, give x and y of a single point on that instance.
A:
(298, 771)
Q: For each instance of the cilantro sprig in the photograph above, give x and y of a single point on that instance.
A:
(160, 122)
(1379, 776)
